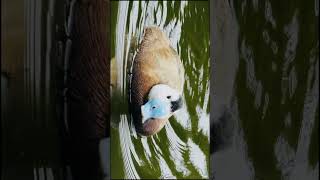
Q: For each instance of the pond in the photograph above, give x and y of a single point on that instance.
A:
(264, 89)
(181, 149)
(266, 83)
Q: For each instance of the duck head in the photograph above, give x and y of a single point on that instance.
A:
(163, 102)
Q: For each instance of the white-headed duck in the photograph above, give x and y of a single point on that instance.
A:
(156, 84)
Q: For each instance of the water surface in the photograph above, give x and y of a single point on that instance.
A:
(181, 149)
(266, 80)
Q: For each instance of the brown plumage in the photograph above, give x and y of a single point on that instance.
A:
(156, 62)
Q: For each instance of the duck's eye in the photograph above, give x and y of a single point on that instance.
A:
(168, 97)
(153, 107)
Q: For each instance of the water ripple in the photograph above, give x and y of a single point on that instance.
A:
(163, 154)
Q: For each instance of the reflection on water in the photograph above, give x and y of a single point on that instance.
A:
(272, 95)
(181, 149)
(265, 79)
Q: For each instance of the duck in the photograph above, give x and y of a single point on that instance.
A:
(157, 81)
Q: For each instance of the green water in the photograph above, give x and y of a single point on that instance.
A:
(272, 67)
(285, 67)
(264, 74)
(177, 149)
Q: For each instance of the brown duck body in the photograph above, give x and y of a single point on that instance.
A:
(156, 62)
